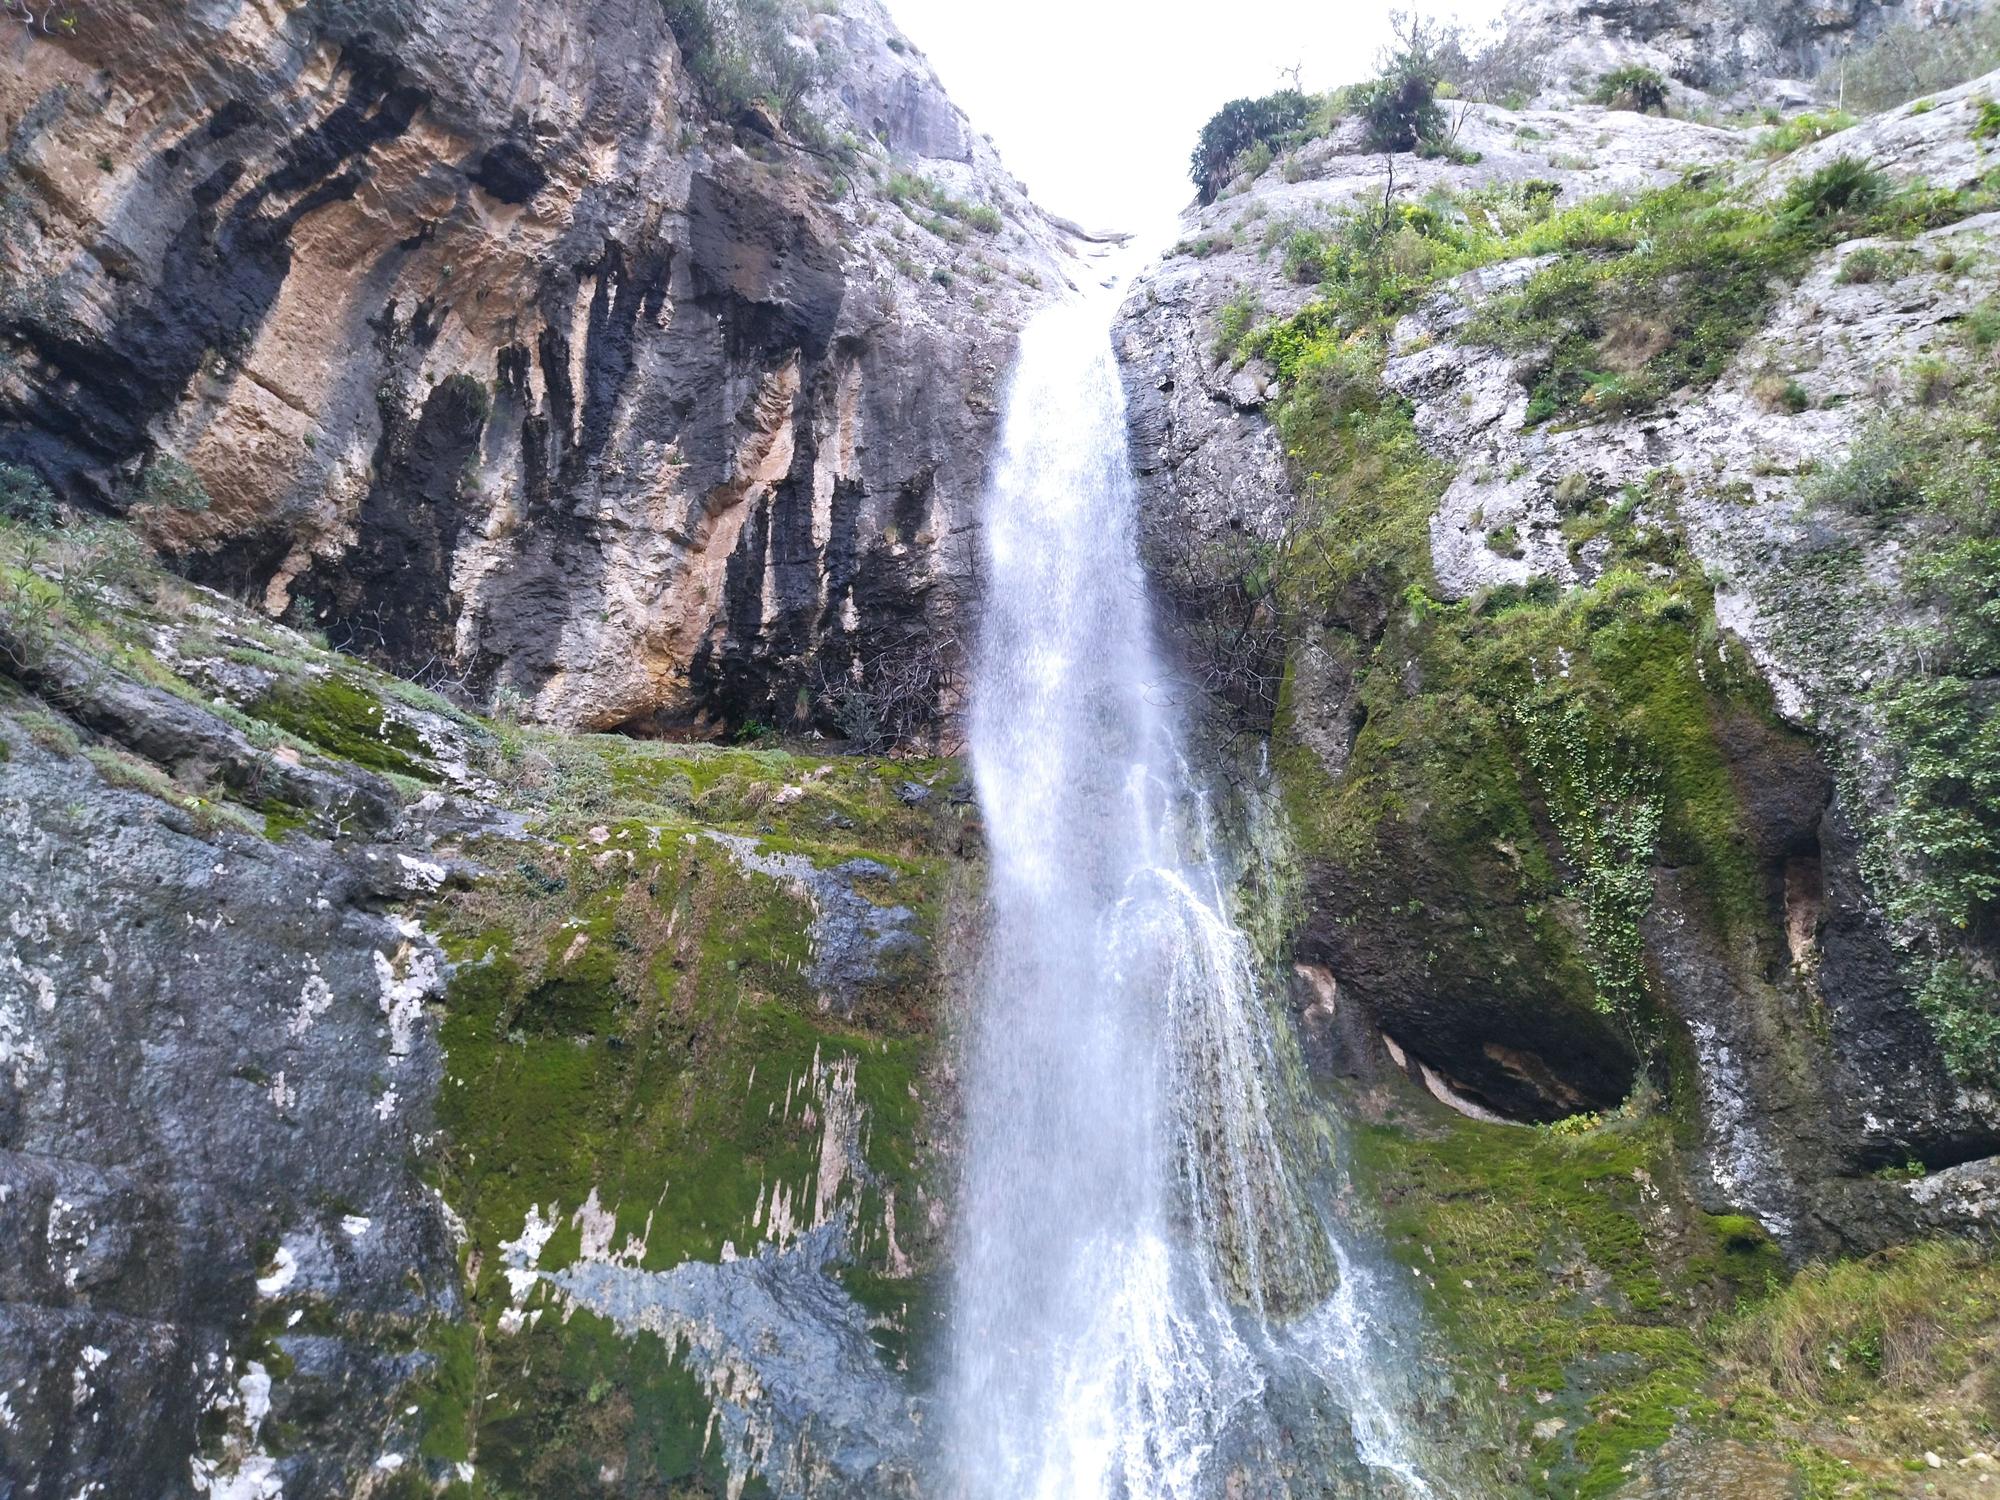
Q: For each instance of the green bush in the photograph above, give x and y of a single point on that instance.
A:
(1234, 322)
(1307, 254)
(1871, 264)
(1400, 107)
(1641, 90)
(1846, 185)
(168, 483)
(1804, 130)
(1237, 127)
(742, 52)
(25, 498)
(913, 194)
(1878, 476)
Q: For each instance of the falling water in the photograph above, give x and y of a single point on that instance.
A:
(1140, 1278)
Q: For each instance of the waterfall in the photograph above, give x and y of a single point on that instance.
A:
(1140, 1279)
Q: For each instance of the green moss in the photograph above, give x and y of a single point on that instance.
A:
(339, 717)
(1527, 755)
(1557, 1261)
(567, 1399)
(631, 1016)
(1932, 851)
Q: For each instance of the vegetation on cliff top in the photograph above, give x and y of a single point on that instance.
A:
(1403, 108)
(744, 52)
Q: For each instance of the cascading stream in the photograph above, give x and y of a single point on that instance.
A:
(1137, 1271)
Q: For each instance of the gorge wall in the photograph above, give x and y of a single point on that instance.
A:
(1582, 529)
(1530, 490)
(397, 1099)
(476, 338)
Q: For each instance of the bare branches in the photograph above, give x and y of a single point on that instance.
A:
(1229, 629)
(904, 690)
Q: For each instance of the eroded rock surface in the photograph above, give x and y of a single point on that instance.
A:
(499, 358)
(1812, 1065)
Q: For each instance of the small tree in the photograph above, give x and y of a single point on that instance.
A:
(1640, 90)
(745, 52)
(1400, 107)
(1237, 127)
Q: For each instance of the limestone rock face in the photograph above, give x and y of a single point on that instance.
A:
(359, 1132)
(498, 358)
(1814, 1064)
(1713, 45)
(215, 1067)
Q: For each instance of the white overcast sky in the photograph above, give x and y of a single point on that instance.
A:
(1095, 104)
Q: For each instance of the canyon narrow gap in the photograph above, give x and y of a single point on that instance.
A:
(699, 801)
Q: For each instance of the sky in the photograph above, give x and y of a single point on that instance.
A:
(1095, 104)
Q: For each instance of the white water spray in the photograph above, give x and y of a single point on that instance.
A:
(1137, 1274)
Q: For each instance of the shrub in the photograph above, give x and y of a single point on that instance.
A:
(1634, 88)
(168, 483)
(1803, 131)
(1878, 476)
(1237, 127)
(1982, 325)
(1234, 322)
(743, 52)
(1400, 108)
(1846, 185)
(1933, 380)
(1870, 264)
(25, 498)
(1307, 256)
(913, 194)
(1775, 392)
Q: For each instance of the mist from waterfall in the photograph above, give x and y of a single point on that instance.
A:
(1138, 1272)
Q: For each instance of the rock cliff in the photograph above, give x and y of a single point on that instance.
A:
(395, 1102)
(1713, 46)
(1584, 507)
(398, 1099)
(509, 347)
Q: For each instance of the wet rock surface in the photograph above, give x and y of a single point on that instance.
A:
(1813, 1064)
(317, 1081)
(215, 1072)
